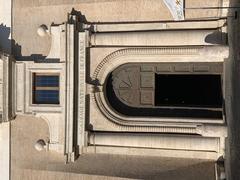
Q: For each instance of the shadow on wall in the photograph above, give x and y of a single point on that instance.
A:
(8, 45)
(217, 37)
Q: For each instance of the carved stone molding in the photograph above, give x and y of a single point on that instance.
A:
(133, 55)
(175, 54)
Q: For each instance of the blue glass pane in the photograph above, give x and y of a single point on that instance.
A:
(47, 81)
(46, 97)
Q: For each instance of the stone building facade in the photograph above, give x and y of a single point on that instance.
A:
(68, 88)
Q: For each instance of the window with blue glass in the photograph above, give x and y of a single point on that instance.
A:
(45, 88)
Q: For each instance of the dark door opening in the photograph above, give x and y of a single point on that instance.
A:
(143, 90)
(188, 90)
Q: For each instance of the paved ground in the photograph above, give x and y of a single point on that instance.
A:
(233, 98)
(26, 162)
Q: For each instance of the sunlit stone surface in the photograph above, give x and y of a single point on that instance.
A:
(115, 89)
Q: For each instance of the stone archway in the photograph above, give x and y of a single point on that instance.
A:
(150, 55)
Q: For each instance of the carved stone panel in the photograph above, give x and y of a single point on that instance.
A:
(147, 80)
(147, 97)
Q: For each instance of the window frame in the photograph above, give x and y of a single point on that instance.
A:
(35, 88)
